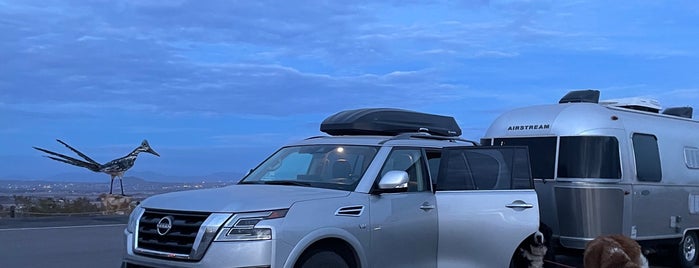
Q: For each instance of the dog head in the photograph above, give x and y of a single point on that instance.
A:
(538, 239)
(537, 249)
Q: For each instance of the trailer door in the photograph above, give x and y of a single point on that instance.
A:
(487, 205)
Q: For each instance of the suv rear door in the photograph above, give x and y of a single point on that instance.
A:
(486, 205)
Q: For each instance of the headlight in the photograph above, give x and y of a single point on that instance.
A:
(241, 227)
(134, 218)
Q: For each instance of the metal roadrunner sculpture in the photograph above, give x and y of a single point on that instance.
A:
(114, 168)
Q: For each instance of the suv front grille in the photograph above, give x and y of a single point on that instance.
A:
(179, 239)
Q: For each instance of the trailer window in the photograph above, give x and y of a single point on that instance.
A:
(542, 151)
(589, 157)
(645, 150)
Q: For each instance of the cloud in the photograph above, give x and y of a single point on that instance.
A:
(161, 57)
(269, 57)
(496, 54)
(235, 89)
(680, 98)
(192, 74)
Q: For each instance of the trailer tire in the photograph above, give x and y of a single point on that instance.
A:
(322, 258)
(687, 250)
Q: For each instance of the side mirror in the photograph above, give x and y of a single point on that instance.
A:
(394, 179)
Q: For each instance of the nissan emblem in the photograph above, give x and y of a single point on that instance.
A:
(164, 225)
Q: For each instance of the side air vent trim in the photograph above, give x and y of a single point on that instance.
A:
(351, 211)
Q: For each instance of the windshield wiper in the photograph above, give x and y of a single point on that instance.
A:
(283, 182)
(250, 182)
(287, 182)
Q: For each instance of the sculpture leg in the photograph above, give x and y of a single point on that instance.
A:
(111, 185)
(121, 183)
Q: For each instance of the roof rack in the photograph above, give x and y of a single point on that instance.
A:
(421, 135)
(388, 122)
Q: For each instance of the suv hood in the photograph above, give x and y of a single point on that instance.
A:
(239, 198)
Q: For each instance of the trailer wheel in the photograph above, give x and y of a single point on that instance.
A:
(321, 258)
(688, 250)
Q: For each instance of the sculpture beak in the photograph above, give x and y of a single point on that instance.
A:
(152, 152)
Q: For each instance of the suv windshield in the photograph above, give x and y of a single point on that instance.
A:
(323, 166)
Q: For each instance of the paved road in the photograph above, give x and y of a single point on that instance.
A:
(85, 242)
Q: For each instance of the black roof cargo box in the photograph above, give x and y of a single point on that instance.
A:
(388, 121)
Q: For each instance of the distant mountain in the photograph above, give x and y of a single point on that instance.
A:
(95, 177)
(217, 176)
(127, 179)
(133, 186)
(60, 177)
(16, 177)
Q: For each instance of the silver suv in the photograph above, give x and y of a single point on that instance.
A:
(387, 188)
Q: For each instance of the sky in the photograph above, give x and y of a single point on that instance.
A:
(216, 86)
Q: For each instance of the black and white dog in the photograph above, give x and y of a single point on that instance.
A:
(533, 251)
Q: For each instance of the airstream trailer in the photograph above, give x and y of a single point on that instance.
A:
(612, 167)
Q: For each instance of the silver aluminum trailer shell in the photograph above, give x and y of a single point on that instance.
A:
(580, 209)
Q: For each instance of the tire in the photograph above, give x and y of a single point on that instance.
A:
(322, 259)
(687, 250)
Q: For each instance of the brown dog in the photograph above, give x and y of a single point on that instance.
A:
(614, 251)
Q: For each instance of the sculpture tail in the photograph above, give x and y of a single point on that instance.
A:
(69, 160)
(78, 152)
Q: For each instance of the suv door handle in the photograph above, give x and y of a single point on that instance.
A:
(519, 204)
(427, 206)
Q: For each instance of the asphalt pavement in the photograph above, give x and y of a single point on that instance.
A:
(97, 241)
(62, 242)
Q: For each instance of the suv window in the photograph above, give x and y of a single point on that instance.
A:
(544, 148)
(433, 161)
(411, 161)
(484, 168)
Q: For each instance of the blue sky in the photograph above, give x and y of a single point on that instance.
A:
(215, 86)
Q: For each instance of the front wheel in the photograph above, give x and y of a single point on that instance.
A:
(322, 259)
(688, 250)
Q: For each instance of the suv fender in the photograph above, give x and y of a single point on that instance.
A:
(324, 233)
